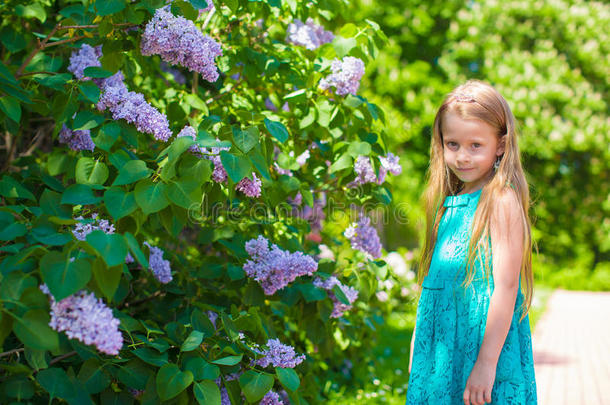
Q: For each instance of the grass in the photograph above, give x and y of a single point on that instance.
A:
(390, 370)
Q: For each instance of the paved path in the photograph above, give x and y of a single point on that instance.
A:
(571, 346)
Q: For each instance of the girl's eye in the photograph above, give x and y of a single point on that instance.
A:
(476, 145)
(451, 144)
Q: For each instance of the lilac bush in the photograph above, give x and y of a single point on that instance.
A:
(345, 76)
(279, 355)
(86, 56)
(308, 34)
(76, 140)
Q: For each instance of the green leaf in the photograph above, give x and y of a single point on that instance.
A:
(194, 101)
(151, 356)
(246, 139)
(119, 203)
(297, 95)
(171, 381)
(62, 276)
(232, 4)
(35, 10)
(87, 120)
(228, 361)
(192, 342)
(201, 369)
(108, 7)
(237, 167)
(383, 195)
(340, 295)
(356, 149)
(201, 322)
(343, 162)
(131, 172)
(259, 162)
(56, 382)
(135, 249)
(36, 358)
(207, 393)
(151, 197)
(289, 378)
(111, 247)
(90, 91)
(10, 188)
(89, 171)
(11, 108)
(50, 203)
(180, 192)
(92, 377)
(255, 384)
(79, 194)
(34, 331)
(343, 45)
(13, 231)
(107, 278)
(277, 130)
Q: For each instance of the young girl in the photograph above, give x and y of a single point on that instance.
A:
(472, 340)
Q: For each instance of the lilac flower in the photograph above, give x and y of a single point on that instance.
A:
(86, 318)
(251, 188)
(178, 41)
(133, 108)
(279, 355)
(274, 268)
(315, 215)
(160, 267)
(310, 35)
(269, 105)
(302, 158)
(339, 308)
(345, 76)
(209, 7)
(212, 316)
(220, 174)
(364, 172)
(271, 398)
(129, 258)
(364, 237)
(85, 57)
(76, 140)
(279, 170)
(296, 201)
(81, 230)
(389, 163)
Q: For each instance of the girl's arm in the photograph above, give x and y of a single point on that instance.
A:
(507, 235)
(411, 350)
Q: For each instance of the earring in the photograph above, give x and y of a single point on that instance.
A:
(497, 163)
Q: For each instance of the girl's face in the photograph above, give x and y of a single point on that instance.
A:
(470, 148)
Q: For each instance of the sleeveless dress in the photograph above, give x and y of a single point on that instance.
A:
(451, 319)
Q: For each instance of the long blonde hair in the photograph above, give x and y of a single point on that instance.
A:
(489, 106)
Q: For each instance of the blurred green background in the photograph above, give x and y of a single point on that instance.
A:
(550, 59)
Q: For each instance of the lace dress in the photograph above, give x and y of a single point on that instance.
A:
(451, 323)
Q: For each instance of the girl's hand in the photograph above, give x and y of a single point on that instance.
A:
(480, 383)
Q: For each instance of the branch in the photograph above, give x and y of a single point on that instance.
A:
(40, 46)
(11, 352)
(207, 19)
(60, 358)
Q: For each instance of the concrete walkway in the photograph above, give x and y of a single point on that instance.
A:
(571, 346)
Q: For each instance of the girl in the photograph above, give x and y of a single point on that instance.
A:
(472, 340)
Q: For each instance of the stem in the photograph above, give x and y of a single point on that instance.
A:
(36, 50)
(64, 41)
(62, 357)
(11, 352)
(207, 19)
(42, 72)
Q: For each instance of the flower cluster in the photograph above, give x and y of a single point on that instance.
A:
(133, 108)
(160, 267)
(178, 41)
(250, 187)
(271, 398)
(274, 268)
(279, 355)
(86, 318)
(389, 163)
(308, 34)
(364, 237)
(190, 132)
(76, 140)
(85, 57)
(345, 76)
(339, 308)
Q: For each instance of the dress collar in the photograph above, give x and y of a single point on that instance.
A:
(461, 199)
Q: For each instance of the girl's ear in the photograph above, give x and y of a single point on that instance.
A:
(501, 145)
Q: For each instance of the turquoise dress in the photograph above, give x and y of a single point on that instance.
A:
(451, 323)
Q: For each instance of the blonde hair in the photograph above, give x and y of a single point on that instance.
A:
(484, 103)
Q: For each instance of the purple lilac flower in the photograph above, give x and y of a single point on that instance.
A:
(269, 105)
(220, 174)
(86, 318)
(302, 158)
(296, 201)
(133, 108)
(274, 268)
(129, 258)
(251, 188)
(212, 316)
(178, 41)
(310, 35)
(160, 267)
(279, 355)
(345, 76)
(85, 57)
(389, 163)
(81, 230)
(339, 308)
(271, 398)
(364, 237)
(364, 171)
(76, 140)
